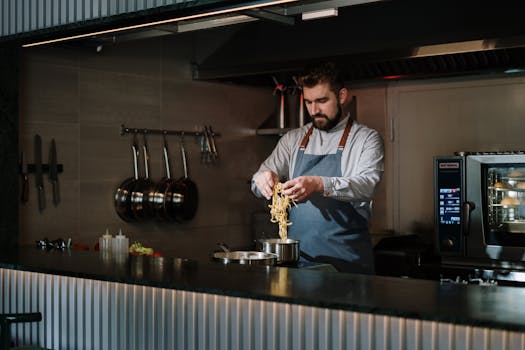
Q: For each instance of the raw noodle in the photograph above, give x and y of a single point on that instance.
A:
(279, 210)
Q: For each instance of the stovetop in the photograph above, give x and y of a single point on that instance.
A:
(482, 276)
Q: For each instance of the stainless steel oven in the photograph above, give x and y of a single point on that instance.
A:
(479, 201)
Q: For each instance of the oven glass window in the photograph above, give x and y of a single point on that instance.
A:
(505, 199)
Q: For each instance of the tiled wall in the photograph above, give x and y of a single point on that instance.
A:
(81, 98)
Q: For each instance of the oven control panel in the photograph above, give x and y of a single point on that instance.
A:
(448, 197)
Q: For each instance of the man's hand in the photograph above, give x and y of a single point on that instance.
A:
(302, 187)
(265, 182)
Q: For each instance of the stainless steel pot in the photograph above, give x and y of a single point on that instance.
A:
(287, 250)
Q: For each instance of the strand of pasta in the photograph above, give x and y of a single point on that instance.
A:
(279, 210)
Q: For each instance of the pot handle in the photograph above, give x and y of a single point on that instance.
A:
(224, 247)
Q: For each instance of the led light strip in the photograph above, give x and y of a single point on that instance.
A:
(150, 24)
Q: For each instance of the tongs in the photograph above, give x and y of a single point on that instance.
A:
(208, 148)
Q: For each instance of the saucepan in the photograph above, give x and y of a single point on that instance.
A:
(162, 194)
(122, 198)
(185, 196)
(141, 206)
(244, 257)
(287, 250)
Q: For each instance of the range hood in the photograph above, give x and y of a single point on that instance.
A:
(451, 59)
(377, 41)
(369, 39)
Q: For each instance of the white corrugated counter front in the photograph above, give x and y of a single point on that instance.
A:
(90, 313)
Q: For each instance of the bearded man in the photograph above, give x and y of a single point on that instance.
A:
(334, 165)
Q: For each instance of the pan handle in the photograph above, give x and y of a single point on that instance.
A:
(183, 153)
(224, 247)
(166, 158)
(135, 157)
(146, 157)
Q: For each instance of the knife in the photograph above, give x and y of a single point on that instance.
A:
(53, 172)
(212, 139)
(24, 192)
(39, 180)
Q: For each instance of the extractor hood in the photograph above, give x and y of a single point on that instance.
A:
(379, 40)
(369, 39)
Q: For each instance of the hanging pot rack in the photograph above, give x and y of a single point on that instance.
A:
(207, 139)
(126, 130)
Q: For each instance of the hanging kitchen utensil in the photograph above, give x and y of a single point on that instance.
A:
(202, 141)
(185, 200)
(122, 198)
(24, 191)
(207, 144)
(162, 194)
(53, 172)
(212, 143)
(143, 190)
(281, 89)
(39, 175)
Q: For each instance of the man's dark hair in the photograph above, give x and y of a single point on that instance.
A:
(324, 72)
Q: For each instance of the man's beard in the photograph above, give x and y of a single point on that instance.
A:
(330, 123)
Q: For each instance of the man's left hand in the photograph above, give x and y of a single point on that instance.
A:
(302, 187)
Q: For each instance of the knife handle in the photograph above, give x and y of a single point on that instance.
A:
(41, 198)
(24, 195)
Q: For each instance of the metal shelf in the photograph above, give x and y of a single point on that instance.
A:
(274, 131)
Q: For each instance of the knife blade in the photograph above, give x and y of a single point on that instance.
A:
(24, 192)
(39, 179)
(53, 172)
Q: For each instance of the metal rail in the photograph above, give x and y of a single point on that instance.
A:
(125, 130)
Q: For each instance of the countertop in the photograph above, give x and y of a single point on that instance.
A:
(484, 306)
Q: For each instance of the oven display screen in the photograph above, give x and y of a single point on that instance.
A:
(449, 206)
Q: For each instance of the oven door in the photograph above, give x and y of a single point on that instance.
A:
(496, 185)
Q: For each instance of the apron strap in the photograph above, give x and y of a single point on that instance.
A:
(306, 138)
(342, 142)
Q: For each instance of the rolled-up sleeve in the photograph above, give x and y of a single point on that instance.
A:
(278, 161)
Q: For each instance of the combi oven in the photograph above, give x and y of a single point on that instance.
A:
(479, 200)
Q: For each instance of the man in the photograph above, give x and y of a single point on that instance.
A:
(334, 165)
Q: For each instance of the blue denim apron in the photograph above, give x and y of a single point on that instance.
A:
(329, 230)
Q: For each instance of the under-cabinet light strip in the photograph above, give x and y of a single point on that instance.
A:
(150, 24)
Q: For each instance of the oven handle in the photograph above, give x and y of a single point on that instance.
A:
(466, 209)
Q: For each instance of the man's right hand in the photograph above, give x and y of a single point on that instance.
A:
(265, 182)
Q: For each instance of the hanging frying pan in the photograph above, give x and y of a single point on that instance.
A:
(143, 190)
(185, 196)
(162, 194)
(122, 198)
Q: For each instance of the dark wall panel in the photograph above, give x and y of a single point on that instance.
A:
(8, 146)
